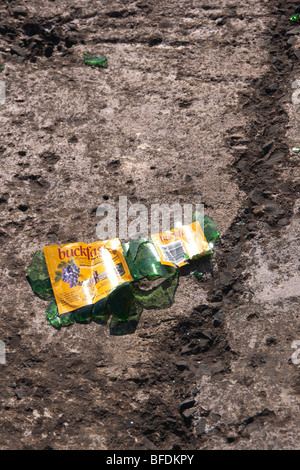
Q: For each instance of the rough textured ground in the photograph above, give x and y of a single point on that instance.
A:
(195, 106)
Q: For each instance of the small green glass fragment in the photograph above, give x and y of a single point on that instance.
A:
(95, 61)
(2, 68)
(55, 322)
(197, 274)
(295, 17)
(296, 149)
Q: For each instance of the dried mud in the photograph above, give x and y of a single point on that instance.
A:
(195, 105)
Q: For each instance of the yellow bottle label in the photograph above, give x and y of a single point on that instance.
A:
(179, 244)
(81, 274)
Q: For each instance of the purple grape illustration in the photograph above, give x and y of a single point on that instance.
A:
(70, 274)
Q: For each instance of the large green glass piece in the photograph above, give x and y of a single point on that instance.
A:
(143, 260)
(159, 297)
(39, 277)
(125, 311)
(126, 303)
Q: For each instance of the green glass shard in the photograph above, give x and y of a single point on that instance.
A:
(130, 249)
(52, 315)
(82, 314)
(209, 228)
(51, 311)
(211, 231)
(126, 303)
(57, 320)
(95, 61)
(148, 263)
(66, 319)
(120, 302)
(197, 274)
(295, 17)
(86, 314)
(2, 68)
(296, 149)
(100, 314)
(38, 276)
(159, 297)
(143, 260)
(125, 311)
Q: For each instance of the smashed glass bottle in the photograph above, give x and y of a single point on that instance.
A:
(101, 280)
